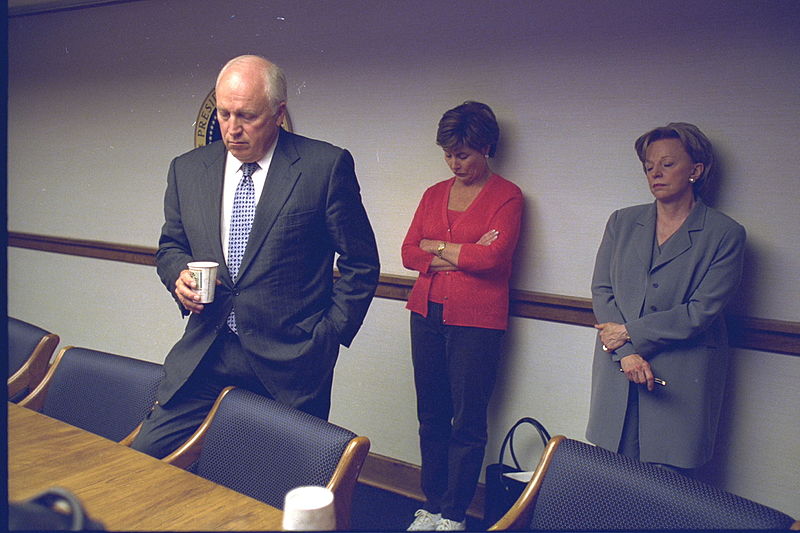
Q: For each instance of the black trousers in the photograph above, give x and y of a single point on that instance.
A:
(454, 374)
(168, 426)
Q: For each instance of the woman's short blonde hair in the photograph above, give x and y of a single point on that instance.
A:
(694, 142)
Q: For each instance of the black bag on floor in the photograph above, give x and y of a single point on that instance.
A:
(501, 491)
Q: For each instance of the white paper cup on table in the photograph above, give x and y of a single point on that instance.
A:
(309, 509)
(205, 276)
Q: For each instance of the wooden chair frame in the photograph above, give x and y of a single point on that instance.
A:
(342, 483)
(520, 514)
(345, 477)
(187, 453)
(128, 440)
(35, 400)
(32, 371)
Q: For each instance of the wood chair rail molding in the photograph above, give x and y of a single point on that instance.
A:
(766, 335)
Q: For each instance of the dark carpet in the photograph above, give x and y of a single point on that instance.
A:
(380, 510)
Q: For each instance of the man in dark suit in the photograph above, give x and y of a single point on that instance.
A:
(278, 317)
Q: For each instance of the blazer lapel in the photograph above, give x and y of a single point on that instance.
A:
(281, 179)
(681, 241)
(212, 181)
(641, 240)
(644, 235)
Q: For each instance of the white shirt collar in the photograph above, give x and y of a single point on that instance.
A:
(233, 165)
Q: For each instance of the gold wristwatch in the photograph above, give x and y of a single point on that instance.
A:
(440, 249)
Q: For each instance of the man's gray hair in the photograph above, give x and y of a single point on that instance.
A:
(274, 78)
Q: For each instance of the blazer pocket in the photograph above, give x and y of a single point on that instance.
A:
(293, 220)
(309, 323)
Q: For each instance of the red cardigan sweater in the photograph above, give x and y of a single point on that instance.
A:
(477, 294)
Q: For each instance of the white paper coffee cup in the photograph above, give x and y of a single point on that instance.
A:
(309, 509)
(205, 276)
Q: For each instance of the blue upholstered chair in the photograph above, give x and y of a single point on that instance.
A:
(29, 351)
(577, 486)
(100, 392)
(263, 448)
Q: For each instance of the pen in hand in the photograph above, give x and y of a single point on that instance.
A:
(657, 380)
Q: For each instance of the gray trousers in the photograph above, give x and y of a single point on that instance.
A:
(629, 440)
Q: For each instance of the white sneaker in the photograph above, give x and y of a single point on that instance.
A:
(424, 521)
(445, 524)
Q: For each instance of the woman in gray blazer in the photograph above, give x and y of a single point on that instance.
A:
(662, 278)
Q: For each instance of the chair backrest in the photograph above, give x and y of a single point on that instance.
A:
(29, 350)
(587, 487)
(100, 392)
(263, 448)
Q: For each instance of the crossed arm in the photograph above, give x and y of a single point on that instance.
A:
(490, 251)
(448, 260)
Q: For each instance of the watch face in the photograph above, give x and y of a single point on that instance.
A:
(206, 127)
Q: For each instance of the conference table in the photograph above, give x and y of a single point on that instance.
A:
(120, 487)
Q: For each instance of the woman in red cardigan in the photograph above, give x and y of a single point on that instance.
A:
(461, 241)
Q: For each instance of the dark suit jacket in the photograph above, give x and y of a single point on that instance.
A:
(673, 311)
(289, 312)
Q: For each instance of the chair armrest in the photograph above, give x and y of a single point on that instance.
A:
(128, 440)
(520, 514)
(30, 374)
(18, 382)
(344, 479)
(35, 400)
(188, 452)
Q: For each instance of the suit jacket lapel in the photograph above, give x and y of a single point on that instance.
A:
(681, 241)
(641, 241)
(644, 235)
(281, 179)
(212, 181)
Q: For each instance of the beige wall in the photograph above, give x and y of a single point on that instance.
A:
(101, 99)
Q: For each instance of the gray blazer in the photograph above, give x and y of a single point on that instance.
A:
(674, 315)
(289, 311)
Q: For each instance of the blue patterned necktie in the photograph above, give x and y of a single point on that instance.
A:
(244, 209)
